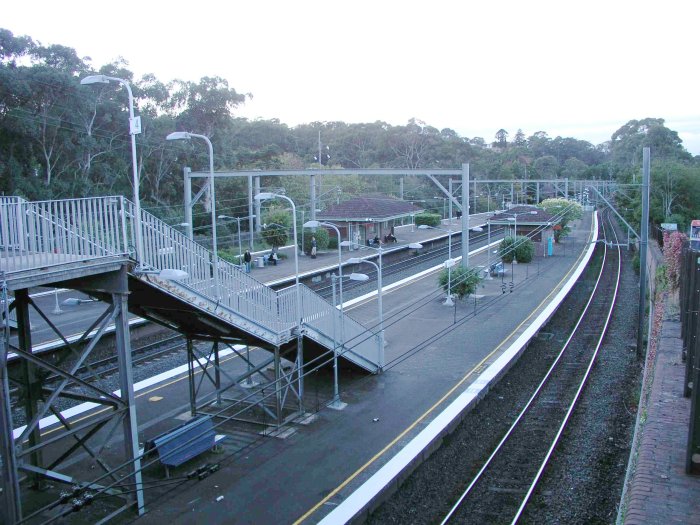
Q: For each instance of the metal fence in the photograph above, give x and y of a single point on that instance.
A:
(690, 335)
(48, 233)
(36, 235)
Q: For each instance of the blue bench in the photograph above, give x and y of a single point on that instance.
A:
(184, 442)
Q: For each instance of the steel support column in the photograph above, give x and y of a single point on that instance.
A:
(11, 508)
(190, 377)
(278, 386)
(126, 384)
(643, 242)
(258, 206)
(31, 385)
(465, 215)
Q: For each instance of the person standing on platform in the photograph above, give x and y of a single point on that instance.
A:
(246, 259)
(313, 247)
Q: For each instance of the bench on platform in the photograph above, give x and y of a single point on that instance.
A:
(184, 442)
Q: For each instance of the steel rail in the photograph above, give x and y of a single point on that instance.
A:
(539, 389)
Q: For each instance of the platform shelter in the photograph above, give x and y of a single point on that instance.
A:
(363, 219)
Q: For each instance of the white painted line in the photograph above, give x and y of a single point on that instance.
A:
(368, 491)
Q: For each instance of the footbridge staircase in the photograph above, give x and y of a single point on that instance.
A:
(209, 301)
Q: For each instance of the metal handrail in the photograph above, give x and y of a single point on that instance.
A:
(41, 234)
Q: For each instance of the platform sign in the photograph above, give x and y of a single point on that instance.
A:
(669, 226)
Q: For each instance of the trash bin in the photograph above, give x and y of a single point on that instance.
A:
(260, 262)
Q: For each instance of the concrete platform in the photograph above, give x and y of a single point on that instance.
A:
(434, 355)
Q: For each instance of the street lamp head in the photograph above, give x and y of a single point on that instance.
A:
(359, 277)
(354, 260)
(415, 246)
(424, 227)
(171, 274)
(94, 79)
(347, 243)
(264, 196)
(179, 135)
(312, 224)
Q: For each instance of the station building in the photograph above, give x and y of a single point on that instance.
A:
(363, 218)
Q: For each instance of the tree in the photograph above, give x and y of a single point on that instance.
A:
(501, 138)
(546, 167)
(519, 248)
(322, 239)
(520, 139)
(629, 140)
(206, 107)
(463, 281)
(564, 211)
(573, 168)
(275, 229)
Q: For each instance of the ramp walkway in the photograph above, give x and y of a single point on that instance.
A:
(66, 240)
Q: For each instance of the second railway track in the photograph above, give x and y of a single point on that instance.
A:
(583, 483)
(502, 487)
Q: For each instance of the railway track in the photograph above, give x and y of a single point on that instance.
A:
(501, 489)
(396, 269)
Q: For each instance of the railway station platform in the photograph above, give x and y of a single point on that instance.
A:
(283, 271)
(435, 355)
(305, 473)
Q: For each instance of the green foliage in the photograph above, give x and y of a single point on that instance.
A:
(519, 248)
(661, 278)
(276, 227)
(59, 139)
(230, 255)
(564, 210)
(463, 281)
(430, 219)
(322, 239)
(524, 250)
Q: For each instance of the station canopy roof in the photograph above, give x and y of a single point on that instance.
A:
(524, 216)
(368, 209)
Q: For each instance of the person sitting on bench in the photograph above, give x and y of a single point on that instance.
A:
(389, 238)
(375, 240)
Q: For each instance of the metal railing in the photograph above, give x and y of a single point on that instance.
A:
(48, 233)
(36, 235)
(360, 345)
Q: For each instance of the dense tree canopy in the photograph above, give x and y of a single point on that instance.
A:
(61, 139)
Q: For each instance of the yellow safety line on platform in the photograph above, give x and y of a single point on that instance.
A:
(437, 403)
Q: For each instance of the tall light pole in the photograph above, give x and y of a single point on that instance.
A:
(449, 263)
(358, 260)
(267, 196)
(184, 135)
(134, 129)
(514, 217)
(238, 223)
(336, 403)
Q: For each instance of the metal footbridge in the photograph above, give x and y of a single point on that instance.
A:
(66, 236)
(89, 245)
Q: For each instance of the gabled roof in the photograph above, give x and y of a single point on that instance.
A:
(524, 216)
(369, 209)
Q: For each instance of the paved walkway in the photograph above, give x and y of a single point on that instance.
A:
(284, 270)
(660, 491)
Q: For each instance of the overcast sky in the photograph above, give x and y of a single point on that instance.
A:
(579, 69)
